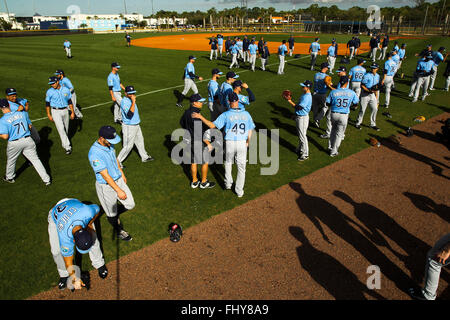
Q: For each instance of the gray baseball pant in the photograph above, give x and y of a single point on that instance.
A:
(413, 85)
(373, 54)
(61, 119)
(313, 59)
(433, 77)
(302, 123)
(117, 112)
(26, 146)
(388, 83)
(422, 82)
(95, 254)
(252, 61)
(447, 83)
(234, 61)
(433, 269)
(338, 126)
(68, 52)
(132, 135)
(319, 107)
(188, 85)
(356, 87)
(108, 197)
(352, 52)
(382, 53)
(35, 135)
(212, 54)
(75, 108)
(368, 99)
(281, 66)
(263, 64)
(236, 151)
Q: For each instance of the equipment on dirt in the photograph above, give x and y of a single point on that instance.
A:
(287, 94)
(419, 119)
(394, 139)
(409, 132)
(175, 232)
(374, 142)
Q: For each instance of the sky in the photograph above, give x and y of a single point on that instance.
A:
(60, 7)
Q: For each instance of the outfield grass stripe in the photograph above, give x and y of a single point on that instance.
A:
(169, 88)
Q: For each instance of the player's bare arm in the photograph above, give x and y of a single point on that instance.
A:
(68, 261)
(4, 136)
(120, 193)
(121, 171)
(49, 115)
(112, 96)
(196, 115)
(72, 112)
(444, 253)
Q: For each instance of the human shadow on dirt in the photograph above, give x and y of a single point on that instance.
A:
(320, 211)
(332, 275)
(428, 205)
(380, 224)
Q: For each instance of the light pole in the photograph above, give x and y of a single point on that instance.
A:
(125, 6)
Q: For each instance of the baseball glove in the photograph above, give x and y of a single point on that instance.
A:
(175, 232)
(420, 119)
(287, 94)
(374, 142)
(328, 81)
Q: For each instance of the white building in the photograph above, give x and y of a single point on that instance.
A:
(11, 18)
(38, 18)
(163, 21)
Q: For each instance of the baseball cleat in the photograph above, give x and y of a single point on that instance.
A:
(334, 154)
(102, 272)
(62, 284)
(150, 158)
(207, 185)
(303, 158)
(195, 184)
(324, 136)
(375, 128)
(317, 123)
(414, 100)
(431, 89)
(48, 183)
(69, 151)
(417, 294)
(8, 180)
(125, 236)
(179, 105)
(357, 126)
(240, 195)
(410, 95)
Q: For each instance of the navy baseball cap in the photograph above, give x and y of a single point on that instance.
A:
(361, 61)
(441, 48)
(192, 57)
(52, 80)
(231, 74)
(216, 71)
(403, 45)
(374, 66)
(59, 71)
(10, 91)
(237, 83)
(130, 89)
(110, 134)
(83, 240)
(307, 84)
(343, 80)
(196, 98)
(324, 65)
(233, 97)
(115, 65)
(4, 103)
(342, 69)
(316, 39)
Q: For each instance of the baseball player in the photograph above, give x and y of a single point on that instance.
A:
(214, 48)
(198, 143)
(261, 43)
(214, 95)
(402, 56)
(447, 76)
(265, 54)
(189, 77)
(226, 88)
(351, 47)
(243, 100)
(314, 50)
(331, 56)
(68, 48)
(115, 87)
(384, 46)
(220, 44)
(234, 50)
(302, 109)
(128, 39)
(339, 101)
(369, 97)
(240, 47)
(424, 52)
(423, 71)
(245, 44)
(341, 72)
(322, 82)
(357, 45)
(111, 183)
(131, 130)
(390, 67)
(356, 75)
(15, 127)
(71, 224)
(228, 46)
(21, 104)
(282, 50)
(252, 49)
(57, 102)
(373, 48)
(291, 42)
(238, 125)
(396, 48)
(438, 57)
(437, 257)
(65, 82)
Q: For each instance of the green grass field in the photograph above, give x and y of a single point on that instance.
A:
(160, 188)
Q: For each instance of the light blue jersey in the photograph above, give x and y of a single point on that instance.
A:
(14, 106)
(315, 47)
(68, 214)
(341, 100)
(240, 45)
(58, 98)
(396, 48)
(65, 82)
(102, 158)
(401, 53)
(16, 124)
(332, 51)
(189, 68)
(319, 83)
(237, 124)
(391, 67)
(67, 44)
(225, 90)
(282, 50)
(114, 82)
(396, 58)
(357, 73)
(213, 89)
(125, 106)
(220, 41)
(437, 58)
(370, 80)
(305, 102)
(426, 66)
(234, 49)
(253, 48)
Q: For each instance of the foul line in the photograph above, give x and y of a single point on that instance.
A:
(164, 89)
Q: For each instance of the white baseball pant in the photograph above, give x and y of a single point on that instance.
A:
(388, 83)
(338, 126)
(212, 53)
(117, 112)
(108, 197)
(281, 66)
(356, 87)
(331, 62)
(132, 135)
(368, 99)
(234, 61)
(189, 84)
(235, 151)
(68, 52)
(61, 120)
(302, 123)
(352, 52)
(421, 82)
(433, 77)
(77, 111)
(252, 61)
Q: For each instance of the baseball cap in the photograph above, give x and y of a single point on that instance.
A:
(429, 45)
(361, 61)
(307, 84)
(231, 74)
(4, 103)
(343, 80)
(403, 45)
(389, 55)
(284, 41)
(216, 71)
(324, 65)
(237, 83)
(59, 71)
(316, 39)
(52, 80)
(233, 97)
(374, 66)
(115, 65)
(83, 240)
(441, 48)
(10, 91)
(110, 134)
(130, 89)
(192, 57)
(342, 69)
(196, 98)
